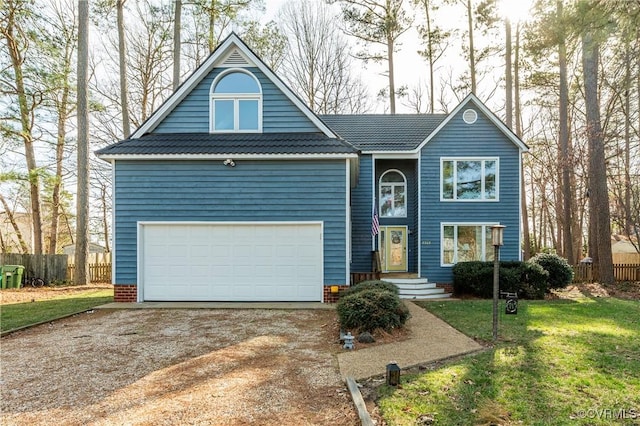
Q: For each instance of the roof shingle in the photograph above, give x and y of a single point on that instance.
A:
(384, 132)
(231, 144)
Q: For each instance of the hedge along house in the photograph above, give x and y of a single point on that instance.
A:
(234, 190)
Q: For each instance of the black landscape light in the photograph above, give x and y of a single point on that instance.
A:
(393, 374)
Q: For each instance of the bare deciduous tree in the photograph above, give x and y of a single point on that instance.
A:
(318, 65)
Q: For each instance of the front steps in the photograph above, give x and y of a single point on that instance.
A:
(417, 288)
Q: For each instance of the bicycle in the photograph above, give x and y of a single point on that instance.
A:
(33, 282)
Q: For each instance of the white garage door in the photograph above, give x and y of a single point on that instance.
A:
(231, 261)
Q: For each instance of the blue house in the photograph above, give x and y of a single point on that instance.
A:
(234, 190)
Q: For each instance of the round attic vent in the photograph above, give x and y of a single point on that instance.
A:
(470, 116)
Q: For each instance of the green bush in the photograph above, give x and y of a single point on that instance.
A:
(372, 285)
(371, 309)
(475, 278)
(533, 281)
(560, 272)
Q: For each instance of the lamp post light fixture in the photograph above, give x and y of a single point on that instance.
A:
(497, 234)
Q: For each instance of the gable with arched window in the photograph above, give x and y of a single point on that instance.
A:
(393, 194)
(236, 103)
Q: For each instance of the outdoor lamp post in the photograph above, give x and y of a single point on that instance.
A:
(497, 232)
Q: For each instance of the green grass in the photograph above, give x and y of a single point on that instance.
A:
(22, 314)
(563, 362)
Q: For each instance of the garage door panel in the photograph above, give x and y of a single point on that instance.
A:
(227, 262)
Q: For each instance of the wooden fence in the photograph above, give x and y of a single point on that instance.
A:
(49, 267)
(98, 272)
(54, 267)
(586, 272)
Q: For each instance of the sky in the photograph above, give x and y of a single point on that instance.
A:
(409, 65)
(410, 68)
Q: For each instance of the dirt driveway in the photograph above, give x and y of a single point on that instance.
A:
(168, 367)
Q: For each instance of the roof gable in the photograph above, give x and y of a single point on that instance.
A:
(232, 52)
(473, 99)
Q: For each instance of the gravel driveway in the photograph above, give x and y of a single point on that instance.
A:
(167, 367)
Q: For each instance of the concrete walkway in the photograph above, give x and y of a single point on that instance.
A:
(431, 340)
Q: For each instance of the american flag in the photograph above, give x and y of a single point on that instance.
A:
(375, 222)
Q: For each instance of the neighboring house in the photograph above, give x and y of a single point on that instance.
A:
(234, 190)
(70, 249)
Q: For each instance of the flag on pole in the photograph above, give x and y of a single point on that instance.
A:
(375, 222)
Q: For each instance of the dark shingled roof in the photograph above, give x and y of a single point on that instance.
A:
(384, 132)
(229, 143)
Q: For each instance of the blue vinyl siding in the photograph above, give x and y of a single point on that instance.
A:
(458, 139)
(251, 191)
(361, 213)
(279, 113)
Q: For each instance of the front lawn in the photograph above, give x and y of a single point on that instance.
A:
(21, 314)
(561, 362)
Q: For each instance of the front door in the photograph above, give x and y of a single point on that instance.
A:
(393, 248)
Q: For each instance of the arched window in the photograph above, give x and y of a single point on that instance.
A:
(236, 103)
(393, 194)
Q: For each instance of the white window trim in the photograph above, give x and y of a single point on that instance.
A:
(455, 173)
(235, 97)
(455, 237)
(393, 184)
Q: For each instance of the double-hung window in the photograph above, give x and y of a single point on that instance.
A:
(469, 179)
(236, 103)
(466, 242)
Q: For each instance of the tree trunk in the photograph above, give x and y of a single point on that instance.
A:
(472, 55)
(526, 239)
(430, 50)
(565, 154)
(598, 192)
(82, 197)
(212, 23)
(628, 218)
(57, 185)
(392, 84)
(105, 219)
(508, 75)
(177, 22)
(122, 54)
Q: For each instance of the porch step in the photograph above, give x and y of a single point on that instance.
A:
(418, 288)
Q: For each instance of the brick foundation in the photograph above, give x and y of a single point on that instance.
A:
(125, 293)
(129, 293)
(329, 297)
(448, 287)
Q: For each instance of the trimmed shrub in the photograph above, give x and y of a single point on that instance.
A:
(371, 309)
(372, 285)
(533, 281)
(475, 278)
(559, 270)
